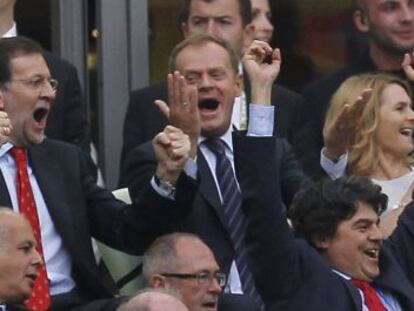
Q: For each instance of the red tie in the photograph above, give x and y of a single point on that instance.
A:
(372, 300)
(40, 299)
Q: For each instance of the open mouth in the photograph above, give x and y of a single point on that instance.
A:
(372, 253)
(406, 132)
(208, 104)
(210, 305)
(40, 114)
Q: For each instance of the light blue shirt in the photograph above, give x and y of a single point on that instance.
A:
(57, 259)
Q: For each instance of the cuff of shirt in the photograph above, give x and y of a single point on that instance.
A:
(162, 192)
(336, 169)
(190, 168)
(261, 120)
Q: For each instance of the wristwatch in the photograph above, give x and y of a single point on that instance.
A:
(166, 186)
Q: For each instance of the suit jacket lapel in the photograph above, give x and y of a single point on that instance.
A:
(50, 179)
(4, 193)
(208, 189)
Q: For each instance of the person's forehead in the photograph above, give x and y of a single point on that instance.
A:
(193, 56)
(214, 8)
(193, 254)
(18, 229)
(29, 64)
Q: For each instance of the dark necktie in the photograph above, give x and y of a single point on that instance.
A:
(40, 299)
(233, 214)
(372, 300)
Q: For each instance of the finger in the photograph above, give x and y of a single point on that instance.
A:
(407, 67)
(170, 130)
(177, 89)
(193, 98)
(161, 139)
(163, 107)
(277, 55)
(170, 82)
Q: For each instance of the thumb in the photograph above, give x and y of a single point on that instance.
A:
(163, 107)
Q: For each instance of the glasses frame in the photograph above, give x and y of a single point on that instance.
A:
(203, 278)
(38, 83)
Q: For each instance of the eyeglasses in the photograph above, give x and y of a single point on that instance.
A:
(203, 278)
(38, 83)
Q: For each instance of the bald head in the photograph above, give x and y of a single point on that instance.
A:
(154, 300)
(19, 259)
(7, 220)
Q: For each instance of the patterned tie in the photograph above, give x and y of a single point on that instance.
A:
(372, 300)
(40, 299)
(233, 214)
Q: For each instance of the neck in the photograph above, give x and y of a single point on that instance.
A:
(390, 167)
(384, 60)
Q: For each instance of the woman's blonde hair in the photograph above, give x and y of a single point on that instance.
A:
(363, 151)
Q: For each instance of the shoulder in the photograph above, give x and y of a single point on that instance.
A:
(156, 90)
(282, 91)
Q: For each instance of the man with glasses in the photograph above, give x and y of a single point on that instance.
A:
(49, 181)
(182, 263)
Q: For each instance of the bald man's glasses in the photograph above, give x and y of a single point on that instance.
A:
(203, 278)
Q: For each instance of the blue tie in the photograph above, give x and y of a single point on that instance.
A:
(233, 214)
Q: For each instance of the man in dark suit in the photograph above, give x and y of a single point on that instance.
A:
(228, 20)
(49, 181)
(68, 119)
(211, 67)
(340, 260)
(389, 27)
(19, 259)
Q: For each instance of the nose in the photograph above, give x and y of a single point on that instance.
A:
(212, 29)
(48, 90)
(376, 234)
(407, 12)
(37, 259)
(205, 82)
(214, 286)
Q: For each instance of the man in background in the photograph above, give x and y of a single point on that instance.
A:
(389, 27)
(19, 260)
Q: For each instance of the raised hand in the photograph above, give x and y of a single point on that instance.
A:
(5, 127)
(339, 134)
(182, 107)
(407, 65)
(262, 65)
(172, 149)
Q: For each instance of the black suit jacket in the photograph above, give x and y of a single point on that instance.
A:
(143, 120)
(68, 119)
(80, 209)
(289, 273)
(205, 218)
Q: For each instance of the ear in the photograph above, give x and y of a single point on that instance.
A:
(360, 21)
(184, 29)
(249, 36)
(158, 281)
(321, 243)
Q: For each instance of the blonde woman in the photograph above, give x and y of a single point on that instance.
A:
(371, 121)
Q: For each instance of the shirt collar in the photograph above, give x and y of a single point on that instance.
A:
(5, 148)
(12, 32)
(227, 138)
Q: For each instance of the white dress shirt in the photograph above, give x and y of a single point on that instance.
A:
(261, 123)
(12, 32)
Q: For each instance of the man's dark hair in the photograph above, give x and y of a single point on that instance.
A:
(319, 208)
(14, 47)
(201, 40)
(245, 9)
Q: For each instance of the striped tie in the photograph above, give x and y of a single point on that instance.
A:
(233, 214)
